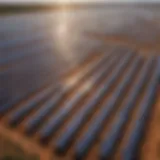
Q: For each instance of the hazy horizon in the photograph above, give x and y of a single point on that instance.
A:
(73, 1)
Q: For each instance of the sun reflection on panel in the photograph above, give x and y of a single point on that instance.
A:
(86, 87)
(72, 81)
(64, 41)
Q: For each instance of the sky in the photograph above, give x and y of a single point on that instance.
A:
(60, 1)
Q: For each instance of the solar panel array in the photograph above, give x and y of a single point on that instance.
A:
(85, 114)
